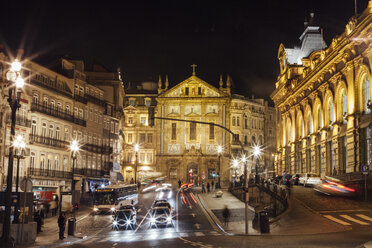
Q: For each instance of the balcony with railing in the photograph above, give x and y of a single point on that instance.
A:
(37, 172)
(107, 150)
(90, 172)
(80, 98)
(20, 120)
(95, 100)
(57, 113)
(58, 87)
(44, 140)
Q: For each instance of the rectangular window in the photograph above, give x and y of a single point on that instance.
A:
(174, 131)
(211, 132)
(148, 103)
(129, 158)
(142, 157)
(149, 138)
(211, 173)
(187, 91)
(132, 102)
(143, 120)
(192, 131)
(199, 90)
(233, 121)
(130, 120)
(245, 123)
(91, 115)
(130, 136)
(238, 121)
(142, 137)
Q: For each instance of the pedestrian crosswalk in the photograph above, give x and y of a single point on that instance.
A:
(350, 219)
(129, 236)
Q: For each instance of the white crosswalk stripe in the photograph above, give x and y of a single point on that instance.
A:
(362, 216)
(354, 220)
(337, 220)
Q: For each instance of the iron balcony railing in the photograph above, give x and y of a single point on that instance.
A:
(107, 150)
(90, 172)
(44, 140)
(37, 172)
(81, 99)
(95, 100)
(57, 113)
(20, 120)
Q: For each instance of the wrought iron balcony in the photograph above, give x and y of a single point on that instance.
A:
(90, 172)
(36, 172)
(107, 150)
(95, 100)
(81, 99)
(44, 140)
(57, 113)
(60, 87)
(20, 120)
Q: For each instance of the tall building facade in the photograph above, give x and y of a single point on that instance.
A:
(187, 150)
(323, 100)
(57, 106)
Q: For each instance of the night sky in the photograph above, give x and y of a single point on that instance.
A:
(148, 38)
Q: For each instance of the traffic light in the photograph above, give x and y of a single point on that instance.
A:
(151, 116)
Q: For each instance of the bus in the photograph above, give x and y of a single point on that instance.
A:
(112, 197)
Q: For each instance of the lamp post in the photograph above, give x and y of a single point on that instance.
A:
(235, 165)
(16, 83)
(256, 154)
(246, 193)
(219, 151)
(19, 145)
(136, 149)
(74, 147)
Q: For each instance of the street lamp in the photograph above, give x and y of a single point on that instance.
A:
(246, 192)
(74, 148)
(19, 145)
(256, 154)
(16, 83)
(219, 151)
(136, 149)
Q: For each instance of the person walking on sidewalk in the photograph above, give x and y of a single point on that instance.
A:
(62, 225)
(203, 187)
(37, 219)
(208, 187)
(226, 215)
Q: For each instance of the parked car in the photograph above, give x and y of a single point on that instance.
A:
(329, 187)
(294, 179)
(124, 218)
(161, 216)
(309, 179)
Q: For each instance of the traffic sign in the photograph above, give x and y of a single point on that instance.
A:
(365, 169)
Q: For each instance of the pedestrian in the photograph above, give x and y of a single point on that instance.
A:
(226, 215)
(203, 187)
(62, 225)
(131, 181)
(53, 207)
(56, 199)
(179, 183)
(42, 216)
(334, 171)
(37, 219)
(212, 183)
(208, 187)
(46, 208)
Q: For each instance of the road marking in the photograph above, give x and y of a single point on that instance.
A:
(337, 220)
(199, 234)
(214, 233)
(364, 217)
(342, 211)
(354, 220)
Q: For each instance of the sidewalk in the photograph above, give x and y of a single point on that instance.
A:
(296, 220)
(50, 231)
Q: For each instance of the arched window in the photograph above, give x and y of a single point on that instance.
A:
(289, 131)
(309, 124)
(260, 140)
(366, 93)
(344, 103)
(320, 117)
(331, 113)
(253, 139)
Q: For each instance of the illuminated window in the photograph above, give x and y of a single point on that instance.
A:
(192, 131)
(211, 132)
(174, 131)
(366, 93)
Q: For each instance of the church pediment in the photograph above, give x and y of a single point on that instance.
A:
(193, 87)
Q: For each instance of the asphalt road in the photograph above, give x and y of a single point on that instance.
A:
(191, 228)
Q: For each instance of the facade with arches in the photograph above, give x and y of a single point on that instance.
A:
(323, 101)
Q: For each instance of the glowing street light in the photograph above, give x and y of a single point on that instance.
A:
(16, 66)
(257, 154)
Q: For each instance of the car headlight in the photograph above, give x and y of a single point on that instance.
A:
(95, 209)
(152, 220)
(114, 222)
(169, 219)
(112, 209)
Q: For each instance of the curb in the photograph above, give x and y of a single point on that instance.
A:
(275, 219)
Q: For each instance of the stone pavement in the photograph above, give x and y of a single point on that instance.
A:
(298, 219)
(49, 237)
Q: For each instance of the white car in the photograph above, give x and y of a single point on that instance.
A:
(307, 179)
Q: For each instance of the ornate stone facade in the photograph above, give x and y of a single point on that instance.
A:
(322, 99)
